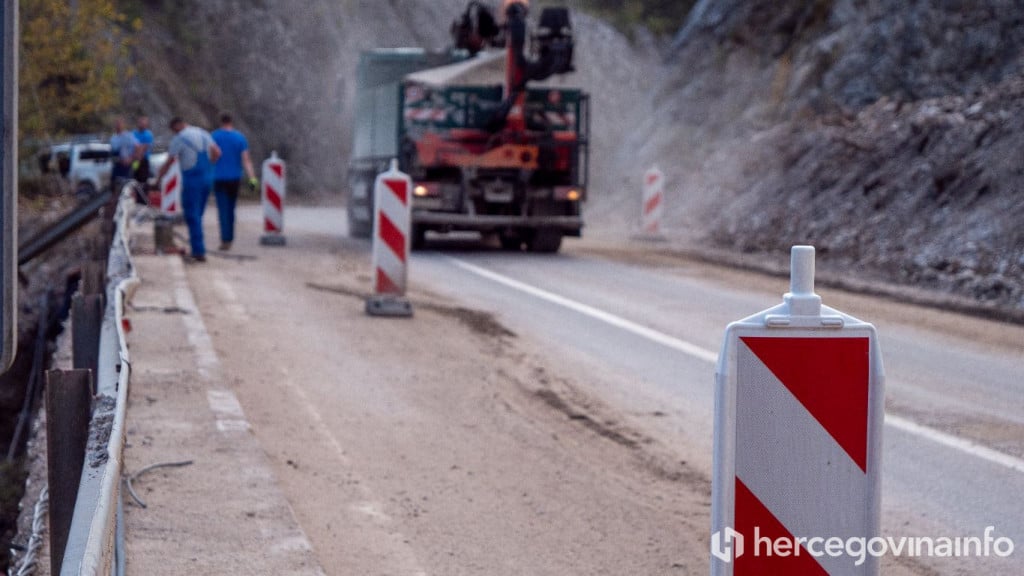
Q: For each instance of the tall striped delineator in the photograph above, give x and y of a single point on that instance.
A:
(272, 192)
(653, 203)
(392, 223)
(799, 406)
(170, 190)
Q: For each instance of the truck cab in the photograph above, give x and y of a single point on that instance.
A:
(485, 155)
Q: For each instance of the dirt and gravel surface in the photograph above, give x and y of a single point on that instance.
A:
(443, 444)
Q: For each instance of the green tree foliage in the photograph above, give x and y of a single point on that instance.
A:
(74, 61)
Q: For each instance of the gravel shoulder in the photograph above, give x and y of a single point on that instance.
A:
(442, 444)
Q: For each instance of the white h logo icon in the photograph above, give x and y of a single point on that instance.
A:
(724, 542)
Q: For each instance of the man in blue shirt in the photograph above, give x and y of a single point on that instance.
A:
(144, 136)
(124, 150)
(227, 176)
(196, 152)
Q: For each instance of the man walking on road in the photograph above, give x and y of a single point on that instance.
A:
(196, 152)
(227, 176)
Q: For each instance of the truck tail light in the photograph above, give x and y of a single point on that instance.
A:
(427, 190)
(570, 193)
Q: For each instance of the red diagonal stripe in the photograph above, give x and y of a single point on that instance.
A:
(400, 189)
(385, 285)
(651, 179)
(652, 203)
(829, 376)
(171, 185)
(751, 514)
(269, 225)
(273, 197)
(392, 236)
(277, 169)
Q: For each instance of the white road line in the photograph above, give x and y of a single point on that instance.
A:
(968, 447)
(962, 444)
(617, 321)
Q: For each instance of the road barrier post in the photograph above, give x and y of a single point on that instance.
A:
(272, 192)
(653, 203)
(9, 254)
(170, 190)
(392, 222)
(799, 406)
(68, 408)
(86, 323)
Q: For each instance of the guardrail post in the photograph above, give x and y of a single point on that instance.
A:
(68, 407)
(163, 235)
(86, 322)
(94, 278)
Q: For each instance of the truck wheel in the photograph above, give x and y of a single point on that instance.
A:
(510, 241)
(545, 241)
(419, 238)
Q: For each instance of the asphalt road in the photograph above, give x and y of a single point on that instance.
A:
(955, 421)
(642, 330)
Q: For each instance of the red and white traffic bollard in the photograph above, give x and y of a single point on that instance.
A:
(799, 407)
(653, 202)
(170, 190)
(272, 192)
(392, 223)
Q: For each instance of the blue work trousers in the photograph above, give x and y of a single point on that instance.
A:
(195, 192)
(226, 193)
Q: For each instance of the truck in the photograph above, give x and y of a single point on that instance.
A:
(492, 142)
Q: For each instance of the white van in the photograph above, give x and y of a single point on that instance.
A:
(87, 165)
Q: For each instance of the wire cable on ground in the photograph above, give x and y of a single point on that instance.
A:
(30, 561)
(129, 479)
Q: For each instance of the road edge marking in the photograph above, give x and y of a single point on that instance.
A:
(595, 313)
(969, 447)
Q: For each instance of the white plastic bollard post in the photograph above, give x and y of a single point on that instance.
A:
(653, 202)
(170, 190)
(799, 407)
(392, 223)
(273, 187)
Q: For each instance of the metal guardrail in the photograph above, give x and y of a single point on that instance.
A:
(92, 540)
(78, 217)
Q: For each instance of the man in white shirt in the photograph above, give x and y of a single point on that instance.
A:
(196, 153)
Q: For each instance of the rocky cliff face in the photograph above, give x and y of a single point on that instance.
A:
(886, 133)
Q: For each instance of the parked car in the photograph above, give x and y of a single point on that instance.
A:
(87, 165)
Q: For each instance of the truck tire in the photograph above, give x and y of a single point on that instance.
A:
(418, 238)
(545, 241)
(510, 241)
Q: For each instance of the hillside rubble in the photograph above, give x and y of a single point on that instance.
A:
(926, 194)
(886, 134)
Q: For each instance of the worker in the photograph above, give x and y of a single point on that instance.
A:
(506, 4)
(144, 136)
(227, 176)
(125, 150)
(196, 153)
